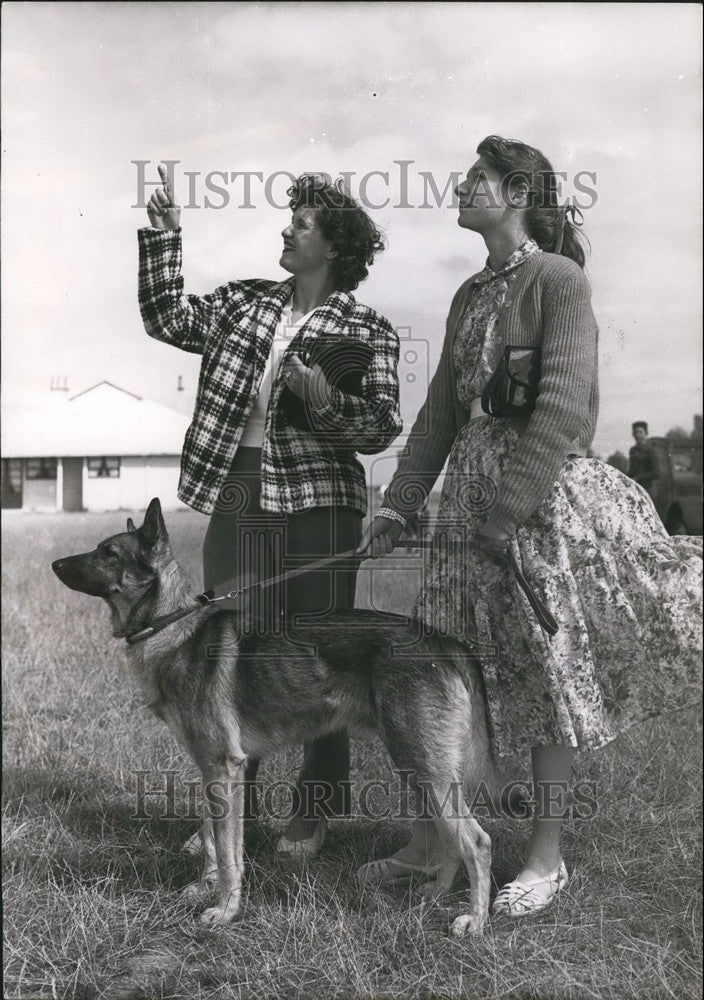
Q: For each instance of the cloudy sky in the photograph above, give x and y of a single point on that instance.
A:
(89, 88)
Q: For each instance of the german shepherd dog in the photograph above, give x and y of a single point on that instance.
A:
(227, 695)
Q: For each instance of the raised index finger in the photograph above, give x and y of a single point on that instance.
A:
(168, 187)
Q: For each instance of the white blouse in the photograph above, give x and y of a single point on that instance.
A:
(253, 436)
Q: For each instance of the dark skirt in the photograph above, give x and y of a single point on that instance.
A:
(244, 542)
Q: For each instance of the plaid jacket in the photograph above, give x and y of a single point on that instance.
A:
(233, 328)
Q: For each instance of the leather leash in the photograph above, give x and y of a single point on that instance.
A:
(208, 598)
(545, 617)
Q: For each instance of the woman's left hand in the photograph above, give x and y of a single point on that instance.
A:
(306, 383)
(492, 542)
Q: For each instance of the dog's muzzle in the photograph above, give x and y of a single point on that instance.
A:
(73, 573)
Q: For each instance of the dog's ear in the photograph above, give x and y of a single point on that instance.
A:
(154, 530)
(130, 524)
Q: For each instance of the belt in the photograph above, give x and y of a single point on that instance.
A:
(518, 424)
(476, 410)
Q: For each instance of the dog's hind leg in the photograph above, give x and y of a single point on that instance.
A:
(427, 732)
(438, 781)
(224, 800)
(464, 840)
(475, 846)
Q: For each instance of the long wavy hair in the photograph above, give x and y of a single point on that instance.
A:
(547, 221)
(344, 223)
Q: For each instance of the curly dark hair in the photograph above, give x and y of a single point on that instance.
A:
(344, 223)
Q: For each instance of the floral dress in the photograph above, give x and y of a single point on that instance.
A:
(626, 596)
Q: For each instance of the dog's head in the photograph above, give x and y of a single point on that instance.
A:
(122, 569)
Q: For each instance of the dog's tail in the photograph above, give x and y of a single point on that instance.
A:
(482, 776)
(483, 783)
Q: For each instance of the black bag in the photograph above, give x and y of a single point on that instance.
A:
(344, 361)
(513, 388)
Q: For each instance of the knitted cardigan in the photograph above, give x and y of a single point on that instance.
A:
(548, 307)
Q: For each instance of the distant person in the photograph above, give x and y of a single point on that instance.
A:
(264, 478)
(643, 462)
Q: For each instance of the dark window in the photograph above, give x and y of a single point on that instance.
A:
(12, 482)
(103, 468)
(41, 468)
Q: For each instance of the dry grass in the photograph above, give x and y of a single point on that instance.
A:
(91, 903)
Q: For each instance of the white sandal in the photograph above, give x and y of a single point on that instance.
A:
(523, 898)
(387, 871)
(194, 845)
(303, 850)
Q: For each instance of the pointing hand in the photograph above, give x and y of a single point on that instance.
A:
(162, 209)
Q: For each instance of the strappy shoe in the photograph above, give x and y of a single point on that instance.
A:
(523, 898)
(386, 871)
(194, 845)
(303, 850)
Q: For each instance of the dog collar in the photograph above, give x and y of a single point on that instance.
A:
(173, 616)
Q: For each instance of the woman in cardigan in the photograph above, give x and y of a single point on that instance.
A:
(270, 453)
(625, 595)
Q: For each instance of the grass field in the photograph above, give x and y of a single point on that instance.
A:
(91, 902)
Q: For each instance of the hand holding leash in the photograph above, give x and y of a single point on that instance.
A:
(162, 210)
(380, 538)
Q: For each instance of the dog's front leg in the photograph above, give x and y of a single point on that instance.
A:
(224, 804)
(209, 875)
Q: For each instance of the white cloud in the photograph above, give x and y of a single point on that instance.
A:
(88, 88)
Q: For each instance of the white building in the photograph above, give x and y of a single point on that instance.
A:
(102, 449)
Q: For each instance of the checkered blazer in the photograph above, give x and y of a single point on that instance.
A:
(233, 328)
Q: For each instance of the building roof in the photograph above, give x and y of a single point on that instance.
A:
(101, 420)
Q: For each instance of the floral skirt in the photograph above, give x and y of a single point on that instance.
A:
(627, 598)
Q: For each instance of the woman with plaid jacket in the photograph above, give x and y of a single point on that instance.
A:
(279, 490)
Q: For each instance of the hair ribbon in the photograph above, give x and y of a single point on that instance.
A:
(576, 218)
